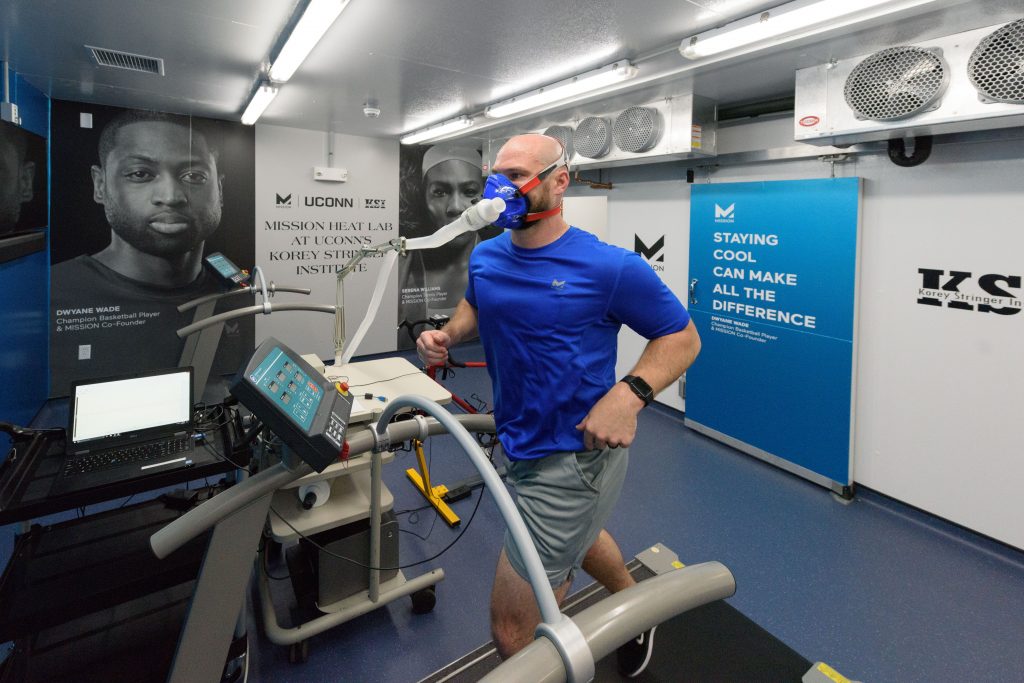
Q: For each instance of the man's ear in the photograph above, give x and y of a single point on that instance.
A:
(562, 179)
(25, 178)
(98, 185)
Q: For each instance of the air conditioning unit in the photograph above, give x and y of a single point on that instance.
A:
(968, 81)
(610, 134)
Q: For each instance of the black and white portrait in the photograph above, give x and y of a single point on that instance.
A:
(438, 183)
(140, 198)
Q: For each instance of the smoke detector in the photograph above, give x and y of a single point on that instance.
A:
(371, 110)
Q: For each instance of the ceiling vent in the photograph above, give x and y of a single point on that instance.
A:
(637, 129)
(964, 82)
(593, 137)
(126, 60)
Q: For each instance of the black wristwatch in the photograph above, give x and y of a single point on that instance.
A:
(640, 388)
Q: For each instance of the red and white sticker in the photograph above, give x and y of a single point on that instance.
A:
(809, 121)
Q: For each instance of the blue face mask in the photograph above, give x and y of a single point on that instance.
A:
(517, 205)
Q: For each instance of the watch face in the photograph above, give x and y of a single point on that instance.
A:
(640, 388)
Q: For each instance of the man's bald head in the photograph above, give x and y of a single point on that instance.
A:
(544, 149)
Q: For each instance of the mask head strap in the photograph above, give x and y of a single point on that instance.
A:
(536, 180)
(541, 176)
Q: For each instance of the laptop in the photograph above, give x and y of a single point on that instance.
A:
(126, 427)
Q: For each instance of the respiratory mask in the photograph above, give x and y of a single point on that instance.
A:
(517, 206)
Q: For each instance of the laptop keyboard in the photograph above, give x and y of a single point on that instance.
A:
(94, 462)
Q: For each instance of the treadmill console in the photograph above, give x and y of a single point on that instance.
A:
(304, 408)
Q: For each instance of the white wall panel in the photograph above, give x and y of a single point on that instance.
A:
(285, 158)
(651, 210)
(940, 391)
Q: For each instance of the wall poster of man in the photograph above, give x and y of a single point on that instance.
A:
(438, 182)
(140, 198)
(22, 179)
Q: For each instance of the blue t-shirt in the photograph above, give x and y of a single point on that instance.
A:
(549, 320)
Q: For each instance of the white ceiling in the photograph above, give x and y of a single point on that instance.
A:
(423, 61)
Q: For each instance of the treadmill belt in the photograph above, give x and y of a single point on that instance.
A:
(712, 643)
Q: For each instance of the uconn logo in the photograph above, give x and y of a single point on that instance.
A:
(946, 289)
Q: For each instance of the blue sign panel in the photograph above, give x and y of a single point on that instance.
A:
(775, 265)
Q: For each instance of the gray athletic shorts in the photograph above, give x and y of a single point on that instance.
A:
(565, 498)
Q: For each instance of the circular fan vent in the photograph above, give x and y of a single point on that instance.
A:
(637, 129)
(593, 137)
(996, 67)
(564, 135)
(896, 83)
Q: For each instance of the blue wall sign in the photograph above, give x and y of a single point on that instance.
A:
(775, 265)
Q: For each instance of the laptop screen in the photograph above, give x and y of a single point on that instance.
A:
(109, 408)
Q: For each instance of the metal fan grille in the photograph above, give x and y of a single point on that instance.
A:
(564, 135)
(592, 138)
(996, 67)
(636, 129)
(896, 83)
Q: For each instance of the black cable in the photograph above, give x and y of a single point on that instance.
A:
(383, 569)
(408, 374)
(412, 510)
(207, 446)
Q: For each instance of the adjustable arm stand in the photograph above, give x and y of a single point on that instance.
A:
(398, 245)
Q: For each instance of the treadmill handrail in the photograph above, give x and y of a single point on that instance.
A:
(271, 288)
(252, 310)
(206, 515)
(616, 619)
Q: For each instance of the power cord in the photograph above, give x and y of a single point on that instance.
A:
(383, 569)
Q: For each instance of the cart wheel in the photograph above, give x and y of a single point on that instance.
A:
(298, 652)
(423, 600)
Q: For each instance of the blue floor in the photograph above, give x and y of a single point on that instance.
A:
(880, 591)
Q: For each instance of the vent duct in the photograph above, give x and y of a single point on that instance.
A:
(564, 135)
(593, 137)
(968, 81)
(623, 131)
(637, 129)
(996, 67)
(896, 83)
(116, 59)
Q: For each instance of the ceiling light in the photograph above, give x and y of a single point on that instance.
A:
(436, 132)
(567, 90)
(315, 21)
(262, 98)
(780, 22)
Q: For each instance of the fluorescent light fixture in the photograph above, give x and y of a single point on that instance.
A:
(315, 21)
(261, 99)
(780, 22)
(567, 90)
(436, 132)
